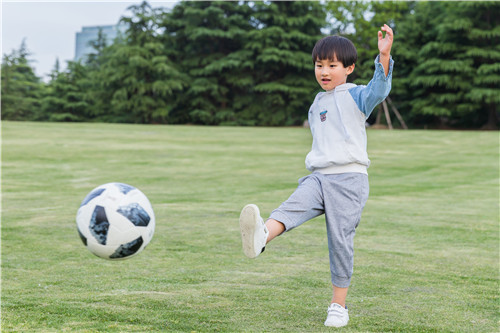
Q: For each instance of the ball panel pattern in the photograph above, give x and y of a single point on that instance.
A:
(135, 214)
(82, 237)
(99, 225)
(124, 188)
(127, 249)
(95, 193)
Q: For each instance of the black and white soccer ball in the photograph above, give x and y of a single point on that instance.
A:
(115, 221)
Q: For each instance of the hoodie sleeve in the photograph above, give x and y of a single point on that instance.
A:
(369, 96)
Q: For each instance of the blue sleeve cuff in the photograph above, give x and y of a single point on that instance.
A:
(379, 68)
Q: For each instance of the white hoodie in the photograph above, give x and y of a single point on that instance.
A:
(337, 121)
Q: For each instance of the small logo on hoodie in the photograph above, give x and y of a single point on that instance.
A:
(322, 116)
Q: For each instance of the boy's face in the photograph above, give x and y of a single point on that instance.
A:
(331, 74)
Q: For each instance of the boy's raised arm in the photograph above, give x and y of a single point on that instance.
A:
(384, 46)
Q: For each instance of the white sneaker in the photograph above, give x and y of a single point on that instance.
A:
(337, 315)
(253, 231)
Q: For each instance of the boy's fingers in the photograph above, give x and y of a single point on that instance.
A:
(380, 35)
(387, 29)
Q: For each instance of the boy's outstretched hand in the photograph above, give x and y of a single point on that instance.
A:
(384, 46)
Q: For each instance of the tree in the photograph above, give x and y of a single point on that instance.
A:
(93, 59)
(484, 48)
(206, 39)
(455, 73)
(281, 44)
(75, 94)
(66, 97)
(95, 78)
(136, 80)
(21, 88)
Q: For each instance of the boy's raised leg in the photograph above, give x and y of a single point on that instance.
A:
(255, 234)
(275, 228)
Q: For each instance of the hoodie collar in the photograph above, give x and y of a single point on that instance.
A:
(342, 87)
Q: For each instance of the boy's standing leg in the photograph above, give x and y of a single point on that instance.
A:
(344, 198)
(337, 314)
(339, 295)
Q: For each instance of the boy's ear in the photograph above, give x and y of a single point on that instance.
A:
(350, 69)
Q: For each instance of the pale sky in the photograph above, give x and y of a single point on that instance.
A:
(50, 27)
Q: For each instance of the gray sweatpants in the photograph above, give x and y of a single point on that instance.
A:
(341, 197)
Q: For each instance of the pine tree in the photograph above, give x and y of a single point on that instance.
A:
(96, 79)
(93, 59)
(484, 49)
(54, 73)
(21, 88)
(455, 72)
(67, 98)
(136, 81)
(207, 40)
(281, 44)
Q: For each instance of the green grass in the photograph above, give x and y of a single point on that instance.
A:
(427, 248)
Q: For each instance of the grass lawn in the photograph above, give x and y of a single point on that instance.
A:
(427, 248)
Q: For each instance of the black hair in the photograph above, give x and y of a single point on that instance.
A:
(338, 47)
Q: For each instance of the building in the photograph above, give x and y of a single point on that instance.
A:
(89, 34)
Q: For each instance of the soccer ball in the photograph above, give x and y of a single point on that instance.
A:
(115, 221)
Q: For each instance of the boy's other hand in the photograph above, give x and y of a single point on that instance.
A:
(385, 44)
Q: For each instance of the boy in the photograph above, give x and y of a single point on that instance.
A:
(338, 185)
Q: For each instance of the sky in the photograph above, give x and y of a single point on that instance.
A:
(49, 27)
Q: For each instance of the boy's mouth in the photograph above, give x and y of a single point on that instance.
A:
(325, 81)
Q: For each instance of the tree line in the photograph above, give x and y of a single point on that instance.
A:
(249, 63)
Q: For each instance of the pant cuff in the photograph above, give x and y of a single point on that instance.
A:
(280, 217)
(341, 282)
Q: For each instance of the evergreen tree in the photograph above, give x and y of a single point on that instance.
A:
(281, 44)
(21, 88)
(66, 98)
(54, 73)
(95, 78)
(93, 59)
(453, 51)
(484, 49)
(207, 40)
(136, 79)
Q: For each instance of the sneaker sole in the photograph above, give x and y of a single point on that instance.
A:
(248, 221)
